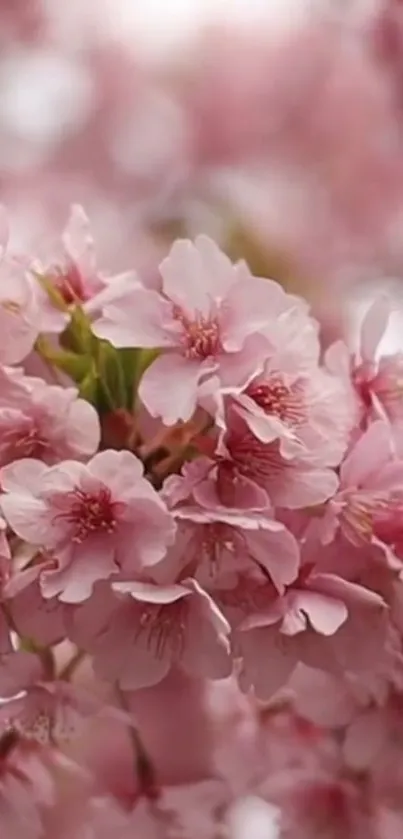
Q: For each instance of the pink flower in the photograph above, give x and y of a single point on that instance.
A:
(45, 421)
(74, 276)
(366, 510)
(375, 380)
(309, 413)
(209, 318)
(293, 484)
(220, 545)
(18, 313)
(314, 622)
(53, 712)
(42, 620)
(139, 631)
(94, 520)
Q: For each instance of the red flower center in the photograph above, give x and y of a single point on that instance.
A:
(91, 513)
(68, 282)
(165, 628)
(201, 336)
(275, 397)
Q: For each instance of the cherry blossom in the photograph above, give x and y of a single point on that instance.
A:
(311, 624)
(95, 519)
(309, 413)
(141, 630)
(220, 545)
(367, 507)
(72, 278)
(209, 317)
(44, 421)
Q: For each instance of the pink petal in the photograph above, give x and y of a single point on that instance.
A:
(28, 517)
(74, 580)
(248, 309)
(169, 388)
(268, 661)
(350, 593)
(22, 476)
(368, 456)
(304, 487)
(278, 552)
(78, 240)
(116, 467)
(142, 319)
(325, 614)
(195, 275)
(374, 326)
(149, 593)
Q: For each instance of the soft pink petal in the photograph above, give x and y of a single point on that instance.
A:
(141, 319)
(169, 388)
(374, 326)
(368, 456)
(149, 593)
(268, 661)
(22, 476)
(28, 517)
(78, 240)
(248, 309)
(196, 275)
(278, 552)
(325, 614)
(74, 580)
(116, 467)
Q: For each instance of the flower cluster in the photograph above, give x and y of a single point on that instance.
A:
(192, 490)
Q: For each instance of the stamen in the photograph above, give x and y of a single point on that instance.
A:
(90, 513)
(200, 337)
(274, 397)
(165, 628)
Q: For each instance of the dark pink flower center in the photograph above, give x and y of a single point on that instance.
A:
(215, 538)
(275, 397)
(23, 442)
(91, 513)
(68, 282)
(165, 628)
(254, 459)
(200, 337)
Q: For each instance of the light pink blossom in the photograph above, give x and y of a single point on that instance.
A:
(45, 421)
(94, 519)
(309, 413)
(209, 319)
(74, 276)
(291, 483)
(312, 624)
(219, 545)
(141, 630)
(375, 379)
(18, 313)
(366, 510)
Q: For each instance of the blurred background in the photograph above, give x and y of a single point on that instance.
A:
(276, 126)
